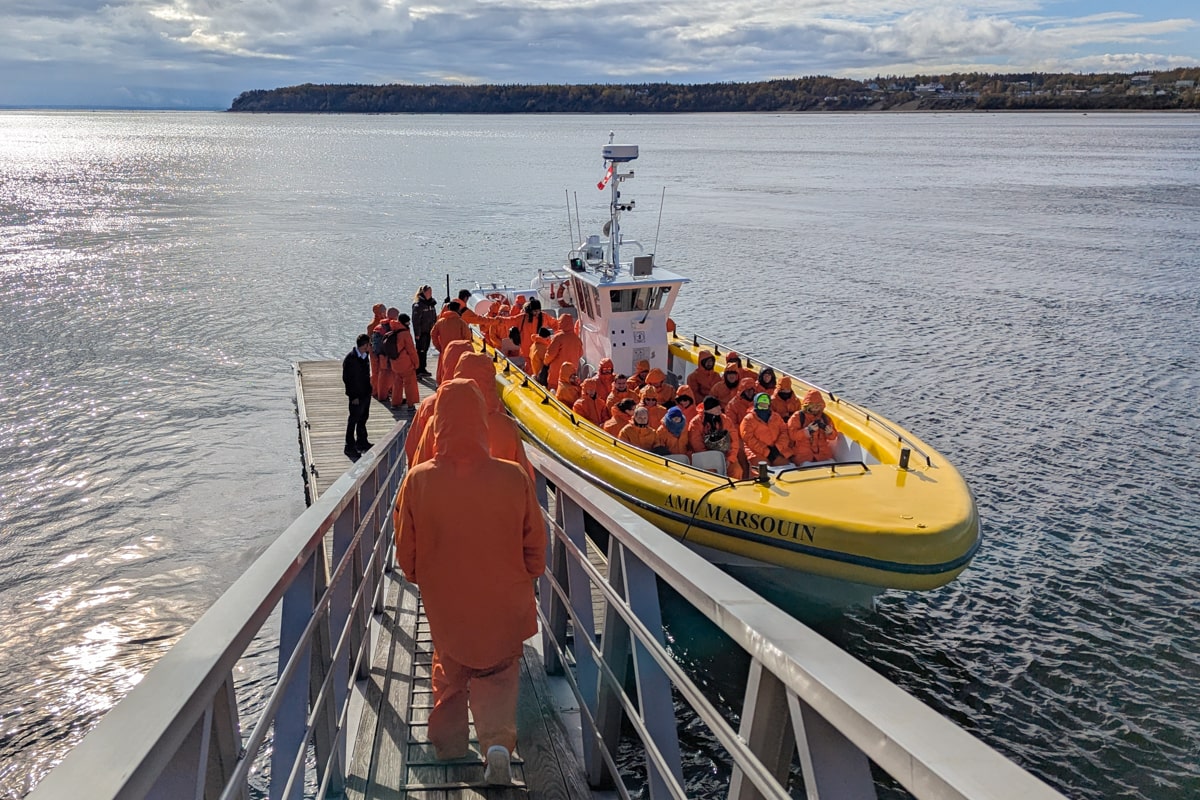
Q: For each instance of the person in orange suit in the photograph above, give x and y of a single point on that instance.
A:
(766, 381)
(743, 402)
(764, 434)
(403, 368)
(538, 367)
(649, 401)
(388, 329)
(811, 431)
(454, 353)
(638, 431)
(565, 348)
(568, 390)
(450, 327)
(727, 389)
(590, 405)
(734, 359)
(620, 391)
(606, 374)
(640, 371)
(510, 347)
(685, 401)
(620, 415)
(707, 426)
(785, 402)
(475, 568)
(504, 437)
(380, 312)
(530, 320)
(704, 377)
(657, 380)
(672, 434)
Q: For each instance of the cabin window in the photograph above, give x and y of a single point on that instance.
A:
(646, 298)
(583, 298)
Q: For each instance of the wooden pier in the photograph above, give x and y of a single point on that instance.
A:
(391, 758)
(322, 406)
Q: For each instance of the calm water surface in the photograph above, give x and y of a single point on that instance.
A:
(1021, 291)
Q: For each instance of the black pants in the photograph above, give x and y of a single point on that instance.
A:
(356, 426)
(422, 351)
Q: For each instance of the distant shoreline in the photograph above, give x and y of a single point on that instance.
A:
(1160, 91)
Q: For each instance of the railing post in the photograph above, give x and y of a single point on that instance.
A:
(766, 729)
(653, 685)
(615, 650)
(184, 777)
(579, 586)
(834, 767)
(290, 722)
(553, 609)
(363, 579)
(324, 726)
(225, 748)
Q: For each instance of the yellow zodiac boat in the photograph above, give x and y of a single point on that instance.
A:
(886, 511)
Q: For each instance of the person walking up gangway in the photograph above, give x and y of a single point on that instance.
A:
(476, 569)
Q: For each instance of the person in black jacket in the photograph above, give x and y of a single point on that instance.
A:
(424, 315)
(356, 374)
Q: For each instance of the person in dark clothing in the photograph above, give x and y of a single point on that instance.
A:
(356, 374)
(424, 314)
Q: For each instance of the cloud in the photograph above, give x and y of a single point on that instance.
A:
(143, 48)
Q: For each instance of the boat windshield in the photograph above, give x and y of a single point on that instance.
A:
(644, 298)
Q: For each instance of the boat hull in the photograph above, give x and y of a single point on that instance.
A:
(869, 523)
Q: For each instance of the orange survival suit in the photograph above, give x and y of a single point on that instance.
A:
(475, 564)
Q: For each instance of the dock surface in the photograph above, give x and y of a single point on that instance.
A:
(390, 755)
(323, 409)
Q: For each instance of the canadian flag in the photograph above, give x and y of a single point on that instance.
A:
(607, 177)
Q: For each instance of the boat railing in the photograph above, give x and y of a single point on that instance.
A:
(901, 439)
(803, 694)
(178, 734)
(549, 399)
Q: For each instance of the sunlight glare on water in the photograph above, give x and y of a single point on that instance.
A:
(1019, 290)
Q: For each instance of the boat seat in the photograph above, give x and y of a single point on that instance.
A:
(682, 459)
(711, 460)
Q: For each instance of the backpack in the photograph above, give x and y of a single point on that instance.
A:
(390, 348)
(377, 342)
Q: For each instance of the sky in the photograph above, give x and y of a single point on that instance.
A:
(203, 53)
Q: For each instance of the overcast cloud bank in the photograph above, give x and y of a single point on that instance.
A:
(203, 53)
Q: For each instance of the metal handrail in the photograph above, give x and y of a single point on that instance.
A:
(724, 734)
(862, 713)
(174, 730)
(163, 734)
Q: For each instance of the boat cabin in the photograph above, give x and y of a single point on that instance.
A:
(622, 305)
(623, 312)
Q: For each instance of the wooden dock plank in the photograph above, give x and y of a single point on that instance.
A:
(323, 407)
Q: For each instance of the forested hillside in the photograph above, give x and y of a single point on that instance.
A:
(1176, 89)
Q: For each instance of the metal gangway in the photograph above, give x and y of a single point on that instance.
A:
(178, 733)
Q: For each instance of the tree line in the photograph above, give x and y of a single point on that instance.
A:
(1158, 90)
